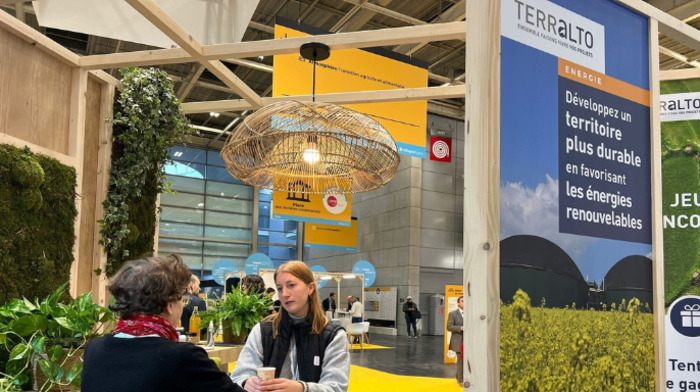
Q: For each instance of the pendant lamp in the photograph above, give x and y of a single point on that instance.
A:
(313, 147)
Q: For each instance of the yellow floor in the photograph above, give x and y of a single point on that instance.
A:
(363, 379)
(366, 346)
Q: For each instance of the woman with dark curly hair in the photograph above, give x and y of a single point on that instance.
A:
(253, 284)
(143, 352)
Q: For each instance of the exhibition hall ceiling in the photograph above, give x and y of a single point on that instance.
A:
(446, 59)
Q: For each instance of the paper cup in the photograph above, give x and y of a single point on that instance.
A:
(266, 373)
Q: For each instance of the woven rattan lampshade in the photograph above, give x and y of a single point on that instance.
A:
(316, 144)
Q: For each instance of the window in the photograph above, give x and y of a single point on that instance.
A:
(208, 216)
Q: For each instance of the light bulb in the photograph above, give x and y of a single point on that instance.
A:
(311, 154)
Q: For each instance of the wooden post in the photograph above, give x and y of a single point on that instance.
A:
(657, 229)
(104, 157)
(481, 197)
(76, 148)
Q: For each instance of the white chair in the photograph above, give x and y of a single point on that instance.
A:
(358, 329)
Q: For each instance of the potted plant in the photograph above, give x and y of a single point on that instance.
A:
(52, 334)
(238, 312)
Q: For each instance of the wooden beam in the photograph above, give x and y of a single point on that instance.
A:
(394, 95)
(165, 23)
(657, 227)
(670, 26)
(679, 74)
(386, 12)
(19, 143)
(351, 40)
(188, 83)
(45, 44)
(106, 78)
(76, 148)
(151, 11)
(104, 159)
(233, 82)
(10, 2)
(482, 178)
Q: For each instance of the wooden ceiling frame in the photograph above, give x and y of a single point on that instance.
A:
(249, 49)
(210, 56)
(165, 23)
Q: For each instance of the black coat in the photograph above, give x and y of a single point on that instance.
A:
(327, 305)
(150, 364)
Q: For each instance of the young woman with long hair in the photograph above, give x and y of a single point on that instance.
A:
(309, 354)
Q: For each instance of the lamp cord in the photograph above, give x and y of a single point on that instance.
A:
(313, 88)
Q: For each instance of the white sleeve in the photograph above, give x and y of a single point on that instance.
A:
(250, 359)
(335, 372)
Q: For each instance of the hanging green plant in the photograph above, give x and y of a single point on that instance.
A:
(148, 121)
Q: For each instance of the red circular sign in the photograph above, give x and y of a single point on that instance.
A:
(332, 201)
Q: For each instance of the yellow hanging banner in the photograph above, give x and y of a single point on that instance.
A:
(297, 204)
(317, 235)
(353, 70)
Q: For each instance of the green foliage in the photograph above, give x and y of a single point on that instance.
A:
(53, 332)
(681, 174)
(239, 308)
(37, 206)
(148, 121)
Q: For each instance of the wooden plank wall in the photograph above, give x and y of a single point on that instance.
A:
(34, 95)
(58, 110)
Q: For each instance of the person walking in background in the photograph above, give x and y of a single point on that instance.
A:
(329, 304)
(455, 324)
(309, 353)
(411, 312)
(194, 300)
(356, 310)
(355, 313)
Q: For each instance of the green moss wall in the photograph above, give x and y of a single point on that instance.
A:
(37, 215)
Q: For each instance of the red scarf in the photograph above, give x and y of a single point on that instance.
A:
(146, 324)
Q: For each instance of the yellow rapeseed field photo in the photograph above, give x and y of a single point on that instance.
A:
(576, 350)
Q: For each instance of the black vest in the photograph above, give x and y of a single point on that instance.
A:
(308, 346)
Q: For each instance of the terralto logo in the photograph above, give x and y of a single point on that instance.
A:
(551, 23)
(556, 30)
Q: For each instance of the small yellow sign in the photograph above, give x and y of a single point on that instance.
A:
(331, 207)
(317, 235)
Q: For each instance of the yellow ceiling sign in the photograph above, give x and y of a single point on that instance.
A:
(298, 204)
(317, 235)
(353, 70)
